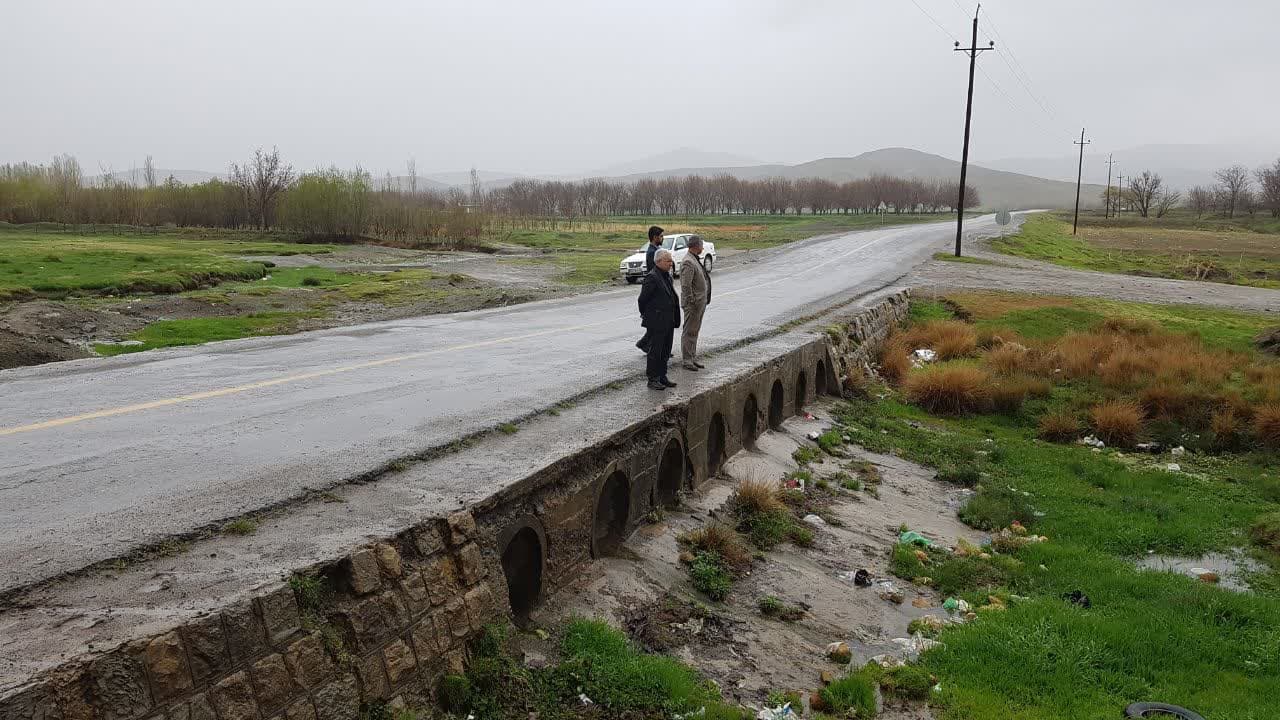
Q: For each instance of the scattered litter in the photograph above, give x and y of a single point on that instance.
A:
(911, 537)
(924, 355)
(894, 596)
(814, 520)
(913, 646)
(582, 698)
(955, 605)
(814, 435)
(862, 578)
(542, 634)
(778, 713)
(839, 652)
(1149, 447)
(809, 416)
(1092, 442)
(1173, 467)
(886, 660)
(1178, 451)
(1075, 597)
(1039, 513)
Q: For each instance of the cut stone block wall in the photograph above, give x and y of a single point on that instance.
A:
(385, 622)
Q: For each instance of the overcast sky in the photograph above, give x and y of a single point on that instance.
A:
(570, 85)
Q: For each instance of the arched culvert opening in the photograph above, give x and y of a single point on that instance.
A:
(776, 405)
(613, 509)
(670, 474)
(522, 564)
(820, 379)
(802, 389)
(715, 444)
(750, 421)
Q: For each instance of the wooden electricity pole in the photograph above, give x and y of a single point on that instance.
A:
(1079, 174)
(1107, 200)
(972, 51)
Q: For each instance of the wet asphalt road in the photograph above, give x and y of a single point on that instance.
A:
(99, 456)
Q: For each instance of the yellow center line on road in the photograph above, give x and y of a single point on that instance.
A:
(223, 392)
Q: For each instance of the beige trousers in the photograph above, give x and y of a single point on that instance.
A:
(692, 324)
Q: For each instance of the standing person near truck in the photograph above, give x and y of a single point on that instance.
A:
(660, 314)
(695, 296)
(655, 244)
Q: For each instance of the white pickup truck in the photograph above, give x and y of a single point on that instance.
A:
(632, 267)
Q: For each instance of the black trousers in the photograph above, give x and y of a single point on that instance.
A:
(659, 350)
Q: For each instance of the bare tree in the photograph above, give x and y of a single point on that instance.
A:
(1200, 199)
(1269, 188)
(149, 172)
(412, 167)
(1143, 191)
(1232, 183)
(1166, 201)
(262, 180)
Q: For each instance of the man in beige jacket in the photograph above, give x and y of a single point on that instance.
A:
(695, 296)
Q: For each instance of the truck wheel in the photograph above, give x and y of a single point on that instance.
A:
(711, 260)
(631, 279)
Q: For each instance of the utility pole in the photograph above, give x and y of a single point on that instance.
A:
(1079, 174)
(1107, 204)
(972, 51)
(1119, 192)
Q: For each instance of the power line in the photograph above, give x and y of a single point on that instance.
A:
(935, 21)
(1019, 72)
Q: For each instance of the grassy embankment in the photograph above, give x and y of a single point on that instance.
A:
(1018, 381)
(1243, 251)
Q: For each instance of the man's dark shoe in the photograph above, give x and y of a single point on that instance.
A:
(667, 382)
(700, 365)
(656, 385)
(642, 345)
(690, 366)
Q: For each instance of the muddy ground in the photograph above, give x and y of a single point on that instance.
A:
(646, 589)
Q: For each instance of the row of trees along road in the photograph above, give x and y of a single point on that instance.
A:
(1233, 192)
(267, 193)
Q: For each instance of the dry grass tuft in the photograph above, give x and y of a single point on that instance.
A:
(756, 495)
(1080, 354)
(1008, 394)
(954, 390)
(1128, 326)
(1118, 422)
(1007, 358)
(721, 539)
(1225, 430)
(895, 360)
(989, 338)
(950, 339)
(1059, 426)
(1187, 404)
(1266, 425)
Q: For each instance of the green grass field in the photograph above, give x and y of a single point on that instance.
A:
(196, 331)
(1244, 253)
(1147, 635)
(55, 264)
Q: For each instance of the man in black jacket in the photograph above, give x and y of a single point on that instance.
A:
(660, 315)
(655, 244)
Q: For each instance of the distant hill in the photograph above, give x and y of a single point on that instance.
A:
(680, 157)
(1181, 166)
(997, 189)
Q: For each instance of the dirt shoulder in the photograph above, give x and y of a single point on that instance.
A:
(1004, 272)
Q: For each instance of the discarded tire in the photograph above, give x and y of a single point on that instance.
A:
(1159, 710)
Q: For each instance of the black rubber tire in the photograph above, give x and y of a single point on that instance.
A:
(632, 280)
(1159, 710)
(709, 263)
